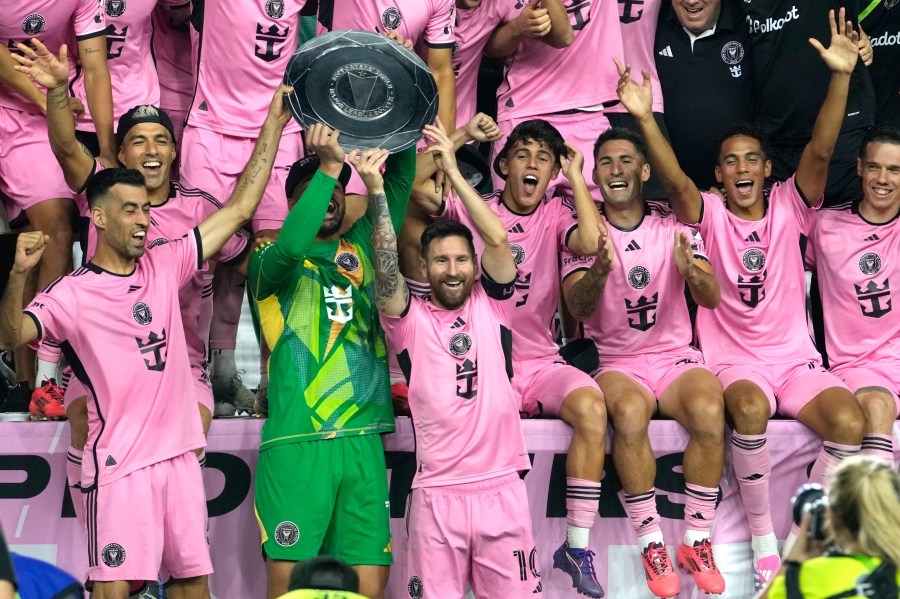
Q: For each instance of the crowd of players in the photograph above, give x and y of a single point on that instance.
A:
(214, 169)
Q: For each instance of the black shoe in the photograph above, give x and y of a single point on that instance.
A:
(14, 407)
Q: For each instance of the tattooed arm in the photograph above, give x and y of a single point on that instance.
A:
(391, 294)
(583, 289)
(221, 225)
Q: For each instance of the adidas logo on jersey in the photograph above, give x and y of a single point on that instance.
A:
(517, 228)
(203, 106)
(873, 237)
(632, 246)
(667, 52)
(754, 236)
(111, 461)
(133, 288)
(458, 323)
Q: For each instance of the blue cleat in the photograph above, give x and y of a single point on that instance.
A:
(579, 564)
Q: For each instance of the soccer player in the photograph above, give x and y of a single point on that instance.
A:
(121, 321)
(757, 341)
(242, 51)
(538, 227)
(171, 43)
(852, 248)
(469, 520)
(44, 202)
(631, 298)
(555, 84)
(329, 395)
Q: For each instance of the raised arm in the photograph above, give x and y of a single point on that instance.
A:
(497, 261)
(221, 225)
(15, 328)
(543, 20)
(697, 273)
(53, 73)
(840, 56)
(638, 100)
(98, 88)
(427, 191)
(584, 239)
(583, 290)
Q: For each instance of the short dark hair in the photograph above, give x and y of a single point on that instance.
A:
(323, 573)
(887, 133)
(623, 134)
(440, 229)
(537, 130)
(741, 130)
(99, 184)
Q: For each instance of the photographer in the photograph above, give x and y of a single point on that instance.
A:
(860, 556)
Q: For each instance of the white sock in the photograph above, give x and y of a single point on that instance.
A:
(654, 537)
(45, 371)
(764, 545)
(577, 537)
(694, 536)
(223, 365)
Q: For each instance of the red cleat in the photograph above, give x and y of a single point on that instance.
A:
(661, 577)
(699, 561)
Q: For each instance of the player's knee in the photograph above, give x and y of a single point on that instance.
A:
(748, 410)
(706, 416)
(585, 411)
(878, 408)
(844, 417)
(630, 417)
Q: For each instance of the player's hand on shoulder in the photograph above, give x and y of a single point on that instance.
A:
(29, 249)
(482, 128)
(368, 164)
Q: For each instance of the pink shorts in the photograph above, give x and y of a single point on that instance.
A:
(794, 384)
(578, 128)
(477, 533)
(655, 372)
(542, 386)
(150, 522)
(24, 144)
(214, 162)
(885, 375)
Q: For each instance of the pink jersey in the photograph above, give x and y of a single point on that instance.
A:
(854, 260)
(123, 338)
(638, 21)
(542, 80)
(184, 210)
(473, 433)
(53, 22)
(129, 58)
(172, 50)
(471, 31)
(425, 22)
(761, 318)
(535, 241)
(244, 47)
(643, 309)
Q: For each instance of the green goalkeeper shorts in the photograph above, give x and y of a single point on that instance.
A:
(327, 496)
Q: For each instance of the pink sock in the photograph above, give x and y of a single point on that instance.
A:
(750, 456)
(700, 507)
(582, 502)
(49, 351)
(73, 478)
(641, 509)
(830, 456)
(228, 288)
(879, 446)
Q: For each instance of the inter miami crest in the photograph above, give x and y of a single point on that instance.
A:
(348, 261)
(638, 277)
(287, 534)
(115, 8)
(518, 253)
(275, 8)
(33, 24)
(415, 587)
(391, 18)
(754, 260)
(460, 344)
(870, 263)
(733, 53)
(142, 313)
(113, 555)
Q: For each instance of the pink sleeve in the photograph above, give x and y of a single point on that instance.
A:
(511, 10)
(803, 211)
(90, 20)
(52, 309)
(399, 330)
(572, 263)
(452, 208)
(693, 234)
(566, 222)
(439, 31)
(183, 256)
(712, 206)
(235, 248)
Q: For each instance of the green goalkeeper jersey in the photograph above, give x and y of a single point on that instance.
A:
(328, 374)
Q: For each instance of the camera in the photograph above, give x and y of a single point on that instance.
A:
(811, 499)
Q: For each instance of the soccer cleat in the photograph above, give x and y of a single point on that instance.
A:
(579, 564)
(261, 403)
(764, 571)
(661, 577)
(699, 561)
(222, 409)
(47, 402)
(232, 391)
(14, 407)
